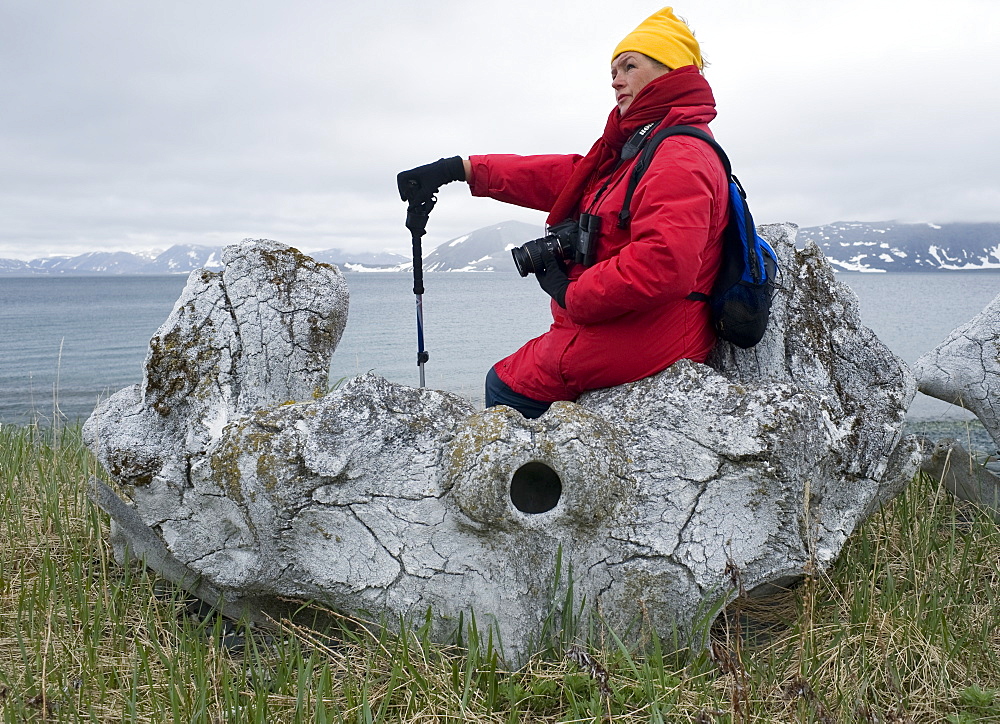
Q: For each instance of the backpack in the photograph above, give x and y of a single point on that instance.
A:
(741, 295)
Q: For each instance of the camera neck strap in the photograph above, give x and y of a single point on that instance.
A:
(633, 145)
(629, 151)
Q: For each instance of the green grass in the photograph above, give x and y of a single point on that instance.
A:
(905, 628)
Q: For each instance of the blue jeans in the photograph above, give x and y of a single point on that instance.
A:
(498, 393)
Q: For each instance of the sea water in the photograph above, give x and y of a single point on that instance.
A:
(67, 342)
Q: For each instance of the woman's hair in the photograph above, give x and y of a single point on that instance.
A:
(658, 64)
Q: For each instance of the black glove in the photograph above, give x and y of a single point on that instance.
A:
(423, 182)
(553, 279)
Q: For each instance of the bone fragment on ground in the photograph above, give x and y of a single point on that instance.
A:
(965, 368)
(961, 474)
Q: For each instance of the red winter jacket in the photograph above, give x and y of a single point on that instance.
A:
(627, 316)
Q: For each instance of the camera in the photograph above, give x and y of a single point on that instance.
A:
(570, 240)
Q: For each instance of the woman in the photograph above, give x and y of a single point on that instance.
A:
(627, 316)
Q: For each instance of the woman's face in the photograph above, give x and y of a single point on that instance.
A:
(630, 72)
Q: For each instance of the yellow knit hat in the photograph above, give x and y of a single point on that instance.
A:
(664, 37)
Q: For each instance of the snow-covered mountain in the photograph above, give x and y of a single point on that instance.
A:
(181, 259)
(363, 261)
(486, 249)
(891, 246)
(850, 246)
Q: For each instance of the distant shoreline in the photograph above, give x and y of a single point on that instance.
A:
(106, 275)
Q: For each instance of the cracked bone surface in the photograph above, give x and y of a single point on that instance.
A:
(965, 368)
(659, 499)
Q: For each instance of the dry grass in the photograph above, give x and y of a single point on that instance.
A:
(904, 629)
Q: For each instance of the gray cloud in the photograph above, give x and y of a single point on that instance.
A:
(135, 125)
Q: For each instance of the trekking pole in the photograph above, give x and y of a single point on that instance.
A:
(417, 212)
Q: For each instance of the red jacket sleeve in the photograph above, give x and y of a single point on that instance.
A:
(531, 181)
(670, 229)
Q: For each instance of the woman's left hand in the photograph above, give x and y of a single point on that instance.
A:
(553, 279)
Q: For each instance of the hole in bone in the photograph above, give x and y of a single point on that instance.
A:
(535, 488)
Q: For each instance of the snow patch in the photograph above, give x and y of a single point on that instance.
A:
(351, 267)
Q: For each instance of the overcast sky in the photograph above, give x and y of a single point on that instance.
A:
(129, 124)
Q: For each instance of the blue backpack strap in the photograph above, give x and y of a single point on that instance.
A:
(740, 218)
(646, 157)
(740, 301)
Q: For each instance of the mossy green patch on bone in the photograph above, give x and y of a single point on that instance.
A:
(257, 446)
(225, 463)
(132, 470)
(181, 363)
(476, 435)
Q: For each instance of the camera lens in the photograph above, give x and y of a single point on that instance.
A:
(528, 258)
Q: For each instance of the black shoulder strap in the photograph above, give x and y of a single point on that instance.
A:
(649, 148)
